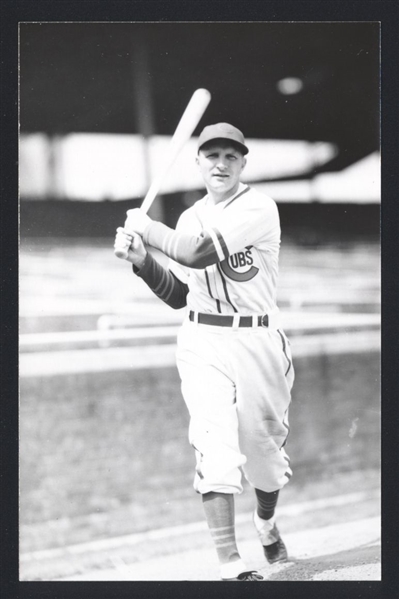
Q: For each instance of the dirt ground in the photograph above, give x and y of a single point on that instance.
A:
(350, 551)
(329, 537)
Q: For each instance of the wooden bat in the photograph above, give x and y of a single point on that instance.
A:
(184, 130)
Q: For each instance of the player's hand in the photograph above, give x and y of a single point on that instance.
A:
(129, 246)
(137, 221)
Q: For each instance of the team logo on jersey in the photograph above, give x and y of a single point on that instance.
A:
(239, 266)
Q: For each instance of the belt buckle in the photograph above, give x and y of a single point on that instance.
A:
(264, 321)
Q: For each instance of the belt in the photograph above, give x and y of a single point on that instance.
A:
(225, 320)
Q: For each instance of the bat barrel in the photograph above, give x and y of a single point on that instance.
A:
(184, 130)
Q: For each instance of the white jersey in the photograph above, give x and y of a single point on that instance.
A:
(245, 230)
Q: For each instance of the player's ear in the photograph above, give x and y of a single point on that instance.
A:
(244, 162)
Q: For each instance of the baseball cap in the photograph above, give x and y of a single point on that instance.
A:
(223, 131)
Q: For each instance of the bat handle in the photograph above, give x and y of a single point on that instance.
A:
(121, 253)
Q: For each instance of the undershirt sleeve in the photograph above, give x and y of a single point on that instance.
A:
(163, 283)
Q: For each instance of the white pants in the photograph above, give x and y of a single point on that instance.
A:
(237, 387)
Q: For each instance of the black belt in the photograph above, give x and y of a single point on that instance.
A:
(224, 320)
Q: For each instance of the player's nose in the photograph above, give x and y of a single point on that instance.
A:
(221, 164)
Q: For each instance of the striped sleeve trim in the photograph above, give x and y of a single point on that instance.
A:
(196, 251)
(216, 242)
(163, 283)
(222, 243)
(165, 294)
(160, 288)
(169, 244)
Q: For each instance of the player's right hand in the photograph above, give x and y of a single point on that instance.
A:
(129, 246)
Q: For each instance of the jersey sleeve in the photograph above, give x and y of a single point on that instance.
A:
(194, 251)
(185, 249)
(249, 222)
(255, 222)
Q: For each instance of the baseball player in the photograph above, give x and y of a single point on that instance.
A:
(233, 358)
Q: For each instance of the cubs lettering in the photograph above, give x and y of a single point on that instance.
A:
(238, 261)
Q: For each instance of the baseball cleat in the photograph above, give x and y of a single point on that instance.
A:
(276, 552)
(252, 575)
(272, 543)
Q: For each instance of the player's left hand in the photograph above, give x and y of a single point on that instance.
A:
(137, 221)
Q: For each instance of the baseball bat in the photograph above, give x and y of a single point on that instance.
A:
(184, 130)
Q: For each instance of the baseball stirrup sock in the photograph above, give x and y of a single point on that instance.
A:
(219, 512)
(266, 503)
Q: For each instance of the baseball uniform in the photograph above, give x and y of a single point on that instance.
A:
(233, 358)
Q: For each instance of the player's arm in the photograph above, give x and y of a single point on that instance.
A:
(245, 227)
(194, 251)
(165, 284)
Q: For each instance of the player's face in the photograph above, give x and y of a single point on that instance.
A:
(221, 166)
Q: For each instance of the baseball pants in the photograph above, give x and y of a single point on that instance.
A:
(236, 384)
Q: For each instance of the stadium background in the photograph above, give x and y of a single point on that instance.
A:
(103, 429)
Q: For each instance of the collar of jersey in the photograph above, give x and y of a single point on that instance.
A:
(241, 187)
